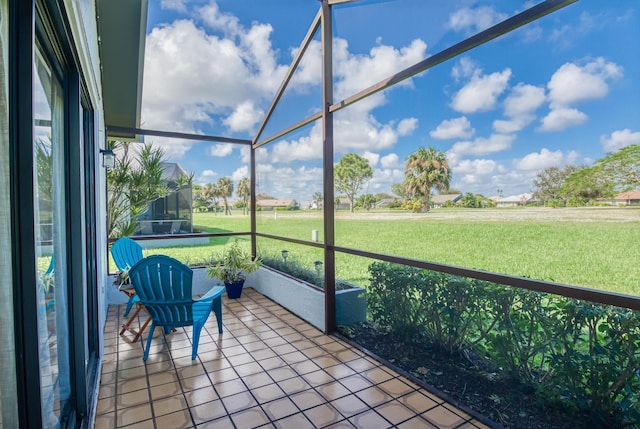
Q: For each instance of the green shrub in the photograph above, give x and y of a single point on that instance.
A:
(581, 354)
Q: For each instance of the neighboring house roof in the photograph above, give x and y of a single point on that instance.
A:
(276, 203)
(516, 198)
(171, 171)
(443, 198)
(630, 195)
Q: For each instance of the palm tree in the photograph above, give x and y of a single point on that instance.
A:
(225, 190)
(244, 192)
(426, 169)
(210, 195)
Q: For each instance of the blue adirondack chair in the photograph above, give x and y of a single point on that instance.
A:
(126, 253)
(163, 285)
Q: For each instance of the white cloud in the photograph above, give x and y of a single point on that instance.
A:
(475, 167)
(174, 149)
(457, 128)
(540, 160)
(304, 149)
(221, 150)
(177, 5)
(562, 118)
(482, 92)
(207, 176)
(390, 161)
(356, 72)
(482, 146)
(474, 20)
(464, 68)
(286, 182)
(192, 77)
(383, 179)
(244, 117)
(619, 139)
(245, 153)
(240, 173)
(520, 106)
(372, 158)
(407, 126)
(523, 100)
(572, 83)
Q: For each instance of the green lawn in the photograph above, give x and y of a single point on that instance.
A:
(596, 248)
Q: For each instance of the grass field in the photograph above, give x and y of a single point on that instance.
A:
(591, 247)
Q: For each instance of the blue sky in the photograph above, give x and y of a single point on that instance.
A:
(562, 90)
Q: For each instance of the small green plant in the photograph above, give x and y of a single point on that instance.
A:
(233, 264)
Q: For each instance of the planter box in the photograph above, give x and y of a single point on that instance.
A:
(201, 285)
(306, 301)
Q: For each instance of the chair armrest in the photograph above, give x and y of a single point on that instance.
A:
(213, 293)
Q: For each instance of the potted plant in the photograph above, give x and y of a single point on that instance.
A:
(232, 266)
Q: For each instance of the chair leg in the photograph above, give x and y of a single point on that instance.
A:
(129, 305)
(197, 328)
(146, 348)
(217, 308)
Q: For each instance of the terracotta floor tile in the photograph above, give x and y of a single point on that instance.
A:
(208, 411)
(229, 388)
(267, 393)
(293, 385)
(395, 412)
(298, 378)
(349, 405)
(355, 382)
(333, 391)
(416, 423)
(251, 418)
(280, 408)
(395, 387)
(169, 405)
(239, 402)
(322, 415)
(134, 414)
(373, 396)
(257, 380)
(298, 421)
(201, 396)
(179, 419)
(418, 402)
(443, 418)
(369, 419)
(131, 399)
(307, 399)
(340, 371)
(165, 390)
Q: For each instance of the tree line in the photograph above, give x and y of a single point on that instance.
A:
(575, 186)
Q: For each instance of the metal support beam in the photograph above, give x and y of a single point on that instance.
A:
(327, 159)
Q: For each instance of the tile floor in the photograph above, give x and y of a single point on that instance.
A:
(268, 369)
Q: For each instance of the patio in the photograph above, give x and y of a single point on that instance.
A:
(268, 369)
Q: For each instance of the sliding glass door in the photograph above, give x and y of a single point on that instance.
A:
(51, 240)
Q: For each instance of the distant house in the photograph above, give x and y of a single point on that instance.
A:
(385, 202)
(173, 213)
(630, 198)
(437, 201)
(343, 204)
(515, 200)
(276, 204)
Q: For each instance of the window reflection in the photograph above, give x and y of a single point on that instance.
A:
(50, 232)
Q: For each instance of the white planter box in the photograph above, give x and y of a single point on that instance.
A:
(201, 285)
(308, 302)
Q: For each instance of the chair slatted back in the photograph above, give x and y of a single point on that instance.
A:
(126, 253)
(164, 286)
